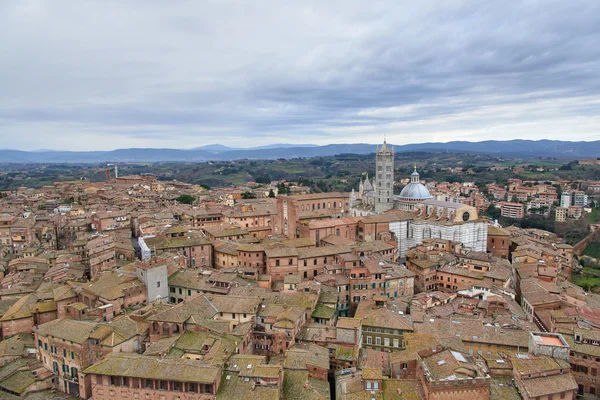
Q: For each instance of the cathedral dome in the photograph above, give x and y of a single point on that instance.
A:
(415, 190)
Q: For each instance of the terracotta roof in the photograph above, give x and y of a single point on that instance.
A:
(68, 329)
(196, 308)
(546, 385)
(139, 366)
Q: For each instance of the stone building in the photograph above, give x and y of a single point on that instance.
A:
(384, 185)
(379, 195)
(153, 274)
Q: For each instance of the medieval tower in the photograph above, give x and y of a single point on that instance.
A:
(384, 183)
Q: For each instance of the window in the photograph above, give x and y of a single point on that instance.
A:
(369, 340)
(378, 341)
(386, 342)
(158, 284)
(368, 385)
(290, 261)
(192, 387)
(395, 342)
(277, 263)
(72, 355)
(172, 290)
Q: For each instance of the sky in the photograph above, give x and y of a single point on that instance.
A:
(107, 74)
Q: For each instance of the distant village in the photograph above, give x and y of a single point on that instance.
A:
(136, 288)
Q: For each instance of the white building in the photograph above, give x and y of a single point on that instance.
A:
(441, 220)
(156, 279)
(565, 200)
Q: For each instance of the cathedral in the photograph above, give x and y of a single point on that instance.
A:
(423, 216)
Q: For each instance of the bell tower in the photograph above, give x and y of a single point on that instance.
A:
(384, 183)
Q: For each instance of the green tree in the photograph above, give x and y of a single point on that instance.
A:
(248, 195)
(185, 199)
(271, 193)
(283, 189)
(493, 212)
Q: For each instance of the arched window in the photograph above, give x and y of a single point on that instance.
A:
(427, 233)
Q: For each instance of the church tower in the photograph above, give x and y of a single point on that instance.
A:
(384, 184)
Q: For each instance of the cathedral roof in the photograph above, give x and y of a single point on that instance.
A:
(415, 191)
(367, 184)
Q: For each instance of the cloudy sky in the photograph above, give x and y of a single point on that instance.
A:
(105, 74)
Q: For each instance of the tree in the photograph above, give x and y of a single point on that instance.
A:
(264, 179)
(493, 212)
(282, 188)
(248, 195)
(271, 193)
(205, 186)
(185, 199)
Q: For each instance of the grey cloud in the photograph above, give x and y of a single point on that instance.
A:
(185, 73)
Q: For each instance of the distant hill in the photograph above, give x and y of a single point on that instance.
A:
(217, 152)
(215, 148)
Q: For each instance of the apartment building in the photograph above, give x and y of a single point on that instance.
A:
(511, 210)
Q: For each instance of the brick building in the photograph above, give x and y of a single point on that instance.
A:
(126, 376)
